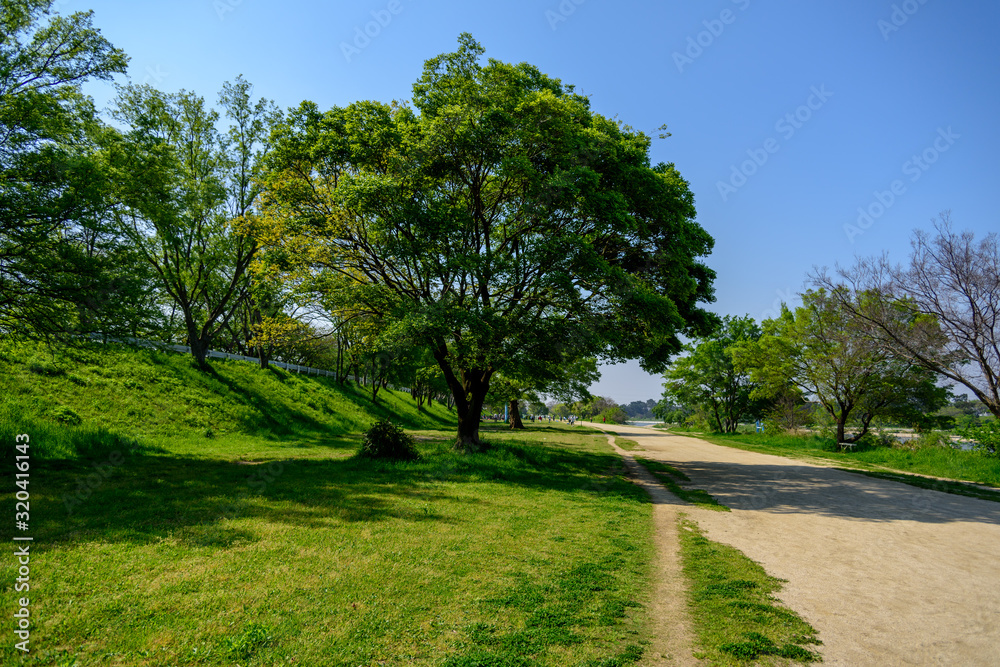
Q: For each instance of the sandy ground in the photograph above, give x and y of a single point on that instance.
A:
(887, 573)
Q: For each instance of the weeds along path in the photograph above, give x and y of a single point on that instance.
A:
(672, 641)
(889, 574)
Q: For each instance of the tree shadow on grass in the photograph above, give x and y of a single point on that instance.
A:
(147, 498)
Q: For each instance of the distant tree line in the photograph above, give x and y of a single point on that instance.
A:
(875, 344)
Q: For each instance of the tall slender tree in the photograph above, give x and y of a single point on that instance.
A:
(707, 381)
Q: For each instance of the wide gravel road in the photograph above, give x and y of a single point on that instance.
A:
(887, 573)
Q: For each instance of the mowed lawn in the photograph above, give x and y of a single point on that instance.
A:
(219, 552)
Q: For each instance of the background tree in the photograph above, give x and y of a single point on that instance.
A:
(941, 311)
(672, 413)
(53, 188)
(567, 382)
(818, 350)
(560, 410)
(474, 225)
(706, 380)
(187, 196)
(640, 409)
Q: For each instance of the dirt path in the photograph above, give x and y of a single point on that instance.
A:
(673, 637)
(888, 574)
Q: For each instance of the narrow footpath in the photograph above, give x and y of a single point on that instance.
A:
(673, 642)
(887, 573)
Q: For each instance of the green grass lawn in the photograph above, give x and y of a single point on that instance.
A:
(903, 465)
(257, 551)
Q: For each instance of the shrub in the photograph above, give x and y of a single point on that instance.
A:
(930, 439)
(613, 415)
(385, 440)
(985, 438)
(65, 415)
(871, 441)
(40, 366)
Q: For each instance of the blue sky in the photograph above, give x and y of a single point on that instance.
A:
(787, 116)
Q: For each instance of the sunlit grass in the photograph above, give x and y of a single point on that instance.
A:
(535, 552)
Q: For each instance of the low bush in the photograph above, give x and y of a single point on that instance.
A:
(985, 438)
(870, 441)
(65, 415)
(385, 440)
(924, 440)
(613, 415)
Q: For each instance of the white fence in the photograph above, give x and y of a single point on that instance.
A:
(213, 354)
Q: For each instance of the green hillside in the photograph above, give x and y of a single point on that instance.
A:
(84, 397)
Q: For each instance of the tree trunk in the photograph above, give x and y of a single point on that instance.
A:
(468, 418)
(264, 355)
(199, 346)
(469, 393)
(515, 415)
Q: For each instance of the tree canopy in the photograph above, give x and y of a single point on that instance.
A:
(185, 197)
(497, 222)
(53, 187)
(817, 349)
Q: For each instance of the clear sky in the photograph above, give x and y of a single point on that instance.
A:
(787, 116)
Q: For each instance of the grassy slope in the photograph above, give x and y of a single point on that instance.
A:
(161, 399)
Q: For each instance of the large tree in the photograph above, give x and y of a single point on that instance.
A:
(53, 189)
(941, 311)
(498, 221)
(819, 351)
(705, 379)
